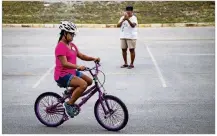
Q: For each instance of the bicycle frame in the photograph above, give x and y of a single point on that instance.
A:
(90, 92)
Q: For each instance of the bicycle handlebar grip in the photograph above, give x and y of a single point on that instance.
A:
(86, 69)
(97, 62)
(79, 70)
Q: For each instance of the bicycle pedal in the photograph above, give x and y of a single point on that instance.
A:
(77, 110)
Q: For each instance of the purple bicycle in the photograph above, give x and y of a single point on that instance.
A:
(110, 112)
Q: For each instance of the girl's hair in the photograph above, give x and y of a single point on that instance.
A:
(61, 35)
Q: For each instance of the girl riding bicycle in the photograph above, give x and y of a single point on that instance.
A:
(66, 70)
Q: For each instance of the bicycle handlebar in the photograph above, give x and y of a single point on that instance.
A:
(96, 67)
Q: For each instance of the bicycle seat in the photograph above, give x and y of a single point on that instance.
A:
(61, 86)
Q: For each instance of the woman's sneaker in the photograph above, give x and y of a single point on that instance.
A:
(69, 109)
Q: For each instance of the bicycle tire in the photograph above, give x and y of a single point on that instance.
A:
(123, 106)
(36, 109)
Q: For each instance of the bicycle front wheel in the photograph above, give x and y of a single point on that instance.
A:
(111, 113)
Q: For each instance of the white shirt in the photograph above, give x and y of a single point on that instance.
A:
(126, 31)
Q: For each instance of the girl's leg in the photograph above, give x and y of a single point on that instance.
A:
(80, 86)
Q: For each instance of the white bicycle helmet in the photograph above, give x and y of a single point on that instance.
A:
(68, 27)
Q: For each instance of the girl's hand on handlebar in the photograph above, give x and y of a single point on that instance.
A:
(81, 68)
(97, 59)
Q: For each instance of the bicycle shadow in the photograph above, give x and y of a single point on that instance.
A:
(76, 129)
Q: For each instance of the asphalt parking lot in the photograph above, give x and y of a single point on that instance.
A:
(171, 90)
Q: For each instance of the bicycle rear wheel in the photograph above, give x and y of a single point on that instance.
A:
(111, 113)
(49, 110)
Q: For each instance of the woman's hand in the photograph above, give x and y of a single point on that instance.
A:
(97, 59)
(81, 68)
(125, 16)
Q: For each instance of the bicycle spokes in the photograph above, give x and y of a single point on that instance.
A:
(111, 114)
(50, 110)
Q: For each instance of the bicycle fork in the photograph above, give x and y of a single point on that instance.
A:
(106, 107)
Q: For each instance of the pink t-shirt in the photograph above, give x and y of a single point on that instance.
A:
(71, 55)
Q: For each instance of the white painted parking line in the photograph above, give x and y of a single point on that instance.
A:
(45, 74)
(157, 68)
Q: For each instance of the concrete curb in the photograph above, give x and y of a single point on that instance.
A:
(193, 24)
